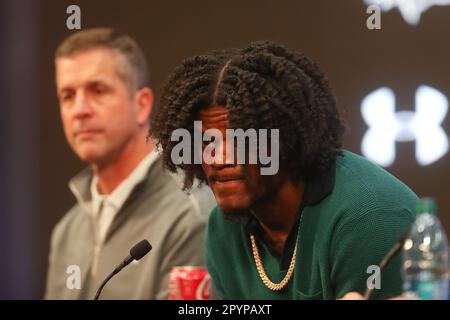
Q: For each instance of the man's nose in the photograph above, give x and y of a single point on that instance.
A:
(82, 106)
(220, 159)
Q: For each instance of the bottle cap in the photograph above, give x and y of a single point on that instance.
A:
(426, 205)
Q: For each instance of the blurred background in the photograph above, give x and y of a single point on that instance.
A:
(36, 162)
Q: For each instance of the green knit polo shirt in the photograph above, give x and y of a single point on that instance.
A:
(349, 219)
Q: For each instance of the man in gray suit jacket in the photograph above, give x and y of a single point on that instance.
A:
(124, 195)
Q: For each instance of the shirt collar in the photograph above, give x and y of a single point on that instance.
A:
(319, 187)
(84, 186)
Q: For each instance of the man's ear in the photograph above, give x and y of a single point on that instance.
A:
(144, 103)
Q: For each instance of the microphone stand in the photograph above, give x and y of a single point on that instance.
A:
(388, 258)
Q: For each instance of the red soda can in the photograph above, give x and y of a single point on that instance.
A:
(189, 283)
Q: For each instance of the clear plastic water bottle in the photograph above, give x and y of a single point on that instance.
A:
(426, 256)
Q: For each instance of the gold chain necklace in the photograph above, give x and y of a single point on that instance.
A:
(262, 273)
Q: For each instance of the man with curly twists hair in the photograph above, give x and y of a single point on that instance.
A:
(311, 230)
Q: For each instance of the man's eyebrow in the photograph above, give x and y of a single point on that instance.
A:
(65, 89)
(98, 81)
(214, 116)
(88, 83)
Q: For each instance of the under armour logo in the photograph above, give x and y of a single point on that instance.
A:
(387, 126)
(411, 10)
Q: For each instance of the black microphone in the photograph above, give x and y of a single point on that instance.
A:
(136, 253)
(389, 256)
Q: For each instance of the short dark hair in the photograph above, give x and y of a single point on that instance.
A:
(134, 70)
(264, 85)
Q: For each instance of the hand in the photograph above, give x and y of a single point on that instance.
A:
(353, 296)
(357, 296)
